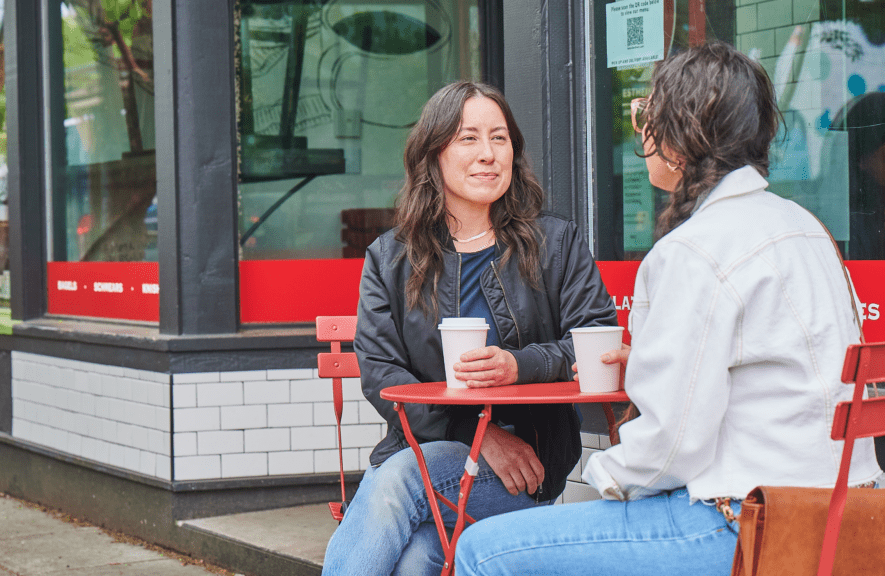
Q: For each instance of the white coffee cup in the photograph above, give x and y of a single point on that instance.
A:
(590, 344)
(460, 335)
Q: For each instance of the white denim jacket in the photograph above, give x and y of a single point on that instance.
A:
(740, 321)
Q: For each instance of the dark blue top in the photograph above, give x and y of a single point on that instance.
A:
(473, 302)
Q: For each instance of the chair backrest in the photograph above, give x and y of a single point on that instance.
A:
(337, 365)
(860, 418)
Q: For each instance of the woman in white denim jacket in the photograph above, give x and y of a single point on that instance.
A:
(740, 321)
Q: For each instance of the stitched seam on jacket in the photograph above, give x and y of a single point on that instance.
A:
(689, 394)
(828, 400)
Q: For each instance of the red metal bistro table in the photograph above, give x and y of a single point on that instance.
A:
(439, 393)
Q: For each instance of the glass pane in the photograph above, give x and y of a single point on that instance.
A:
(827, 61)
(104, 202)
(328, 93)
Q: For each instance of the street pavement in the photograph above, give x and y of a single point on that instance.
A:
(36, 543)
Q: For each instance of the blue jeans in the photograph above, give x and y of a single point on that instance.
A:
(388, 527)
(653, 536)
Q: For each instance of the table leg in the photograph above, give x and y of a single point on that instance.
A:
(466, 484)
(613, 435)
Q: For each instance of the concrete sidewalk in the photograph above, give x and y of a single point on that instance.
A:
(37, 543)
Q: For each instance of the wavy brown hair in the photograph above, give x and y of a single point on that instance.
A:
(715, 109)
(421, 207)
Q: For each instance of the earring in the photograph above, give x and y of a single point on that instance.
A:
(672, 168)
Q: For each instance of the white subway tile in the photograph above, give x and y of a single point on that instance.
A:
(351, 389)
(158, 442)
(164, 467)
(324, 413)
(132, 458)
(109, 385)
(266, 392)
(197, 467)
(290, 462)
(290, 374)
(162, 418)
(128, 435)
(195, 377)
(239, 465)
(289, 415)
(604, 441)
(361, 435)
(220, 394)
(184, 395)
(158, 394)
(575, 492)
(147, 463)
(364, 458)
(220, 442)
(589, 440)
(81, 381)
(108, 431)
(185, 443)
(195, 419)
(314, 437)
(243, 417)
(575, 474)
(158, 377)
(102, 451)
(73, 443)
(88, 448)
(368, 414)
(140, 392)
(327, 460)
(314, 390)
(267, 440)
(87, 404)
(243, 375)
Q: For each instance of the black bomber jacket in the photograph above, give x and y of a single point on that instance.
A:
(399, 346)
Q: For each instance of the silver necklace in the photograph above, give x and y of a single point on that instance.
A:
(472, 238)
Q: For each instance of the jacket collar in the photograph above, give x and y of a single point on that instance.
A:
(742, 181)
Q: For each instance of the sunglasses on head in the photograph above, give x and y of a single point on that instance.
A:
(638, 108)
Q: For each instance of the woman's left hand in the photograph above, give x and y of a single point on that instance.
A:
(486, 367)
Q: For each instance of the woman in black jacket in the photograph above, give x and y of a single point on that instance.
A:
(471, 241)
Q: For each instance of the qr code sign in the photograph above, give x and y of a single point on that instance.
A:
(634, 32)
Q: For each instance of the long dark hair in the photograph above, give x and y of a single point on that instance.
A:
(715, 109)
(421, 208)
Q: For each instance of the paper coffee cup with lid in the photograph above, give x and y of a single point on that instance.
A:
(460, 335)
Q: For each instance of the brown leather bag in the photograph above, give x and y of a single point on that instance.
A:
(782, 532)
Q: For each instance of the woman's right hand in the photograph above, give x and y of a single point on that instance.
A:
(512, 459)
(613, 357)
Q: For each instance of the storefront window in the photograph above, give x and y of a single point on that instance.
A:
(328, 91)
(101, 167)
(827, 61)
(104, 199)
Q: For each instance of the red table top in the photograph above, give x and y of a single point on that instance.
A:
(547, 393)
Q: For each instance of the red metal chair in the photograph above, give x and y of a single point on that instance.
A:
(864, 364)
(337, 365)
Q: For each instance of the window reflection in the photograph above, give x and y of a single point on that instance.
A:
(826, 59)
(328, 93)
(108, 185)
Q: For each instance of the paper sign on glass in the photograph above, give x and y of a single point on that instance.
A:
(634, 32)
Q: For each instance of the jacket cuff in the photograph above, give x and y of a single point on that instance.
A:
(531, 365)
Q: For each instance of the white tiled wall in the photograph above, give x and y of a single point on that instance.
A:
(116, 416)
(576, 490)
(226, 424)
(267, 422)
